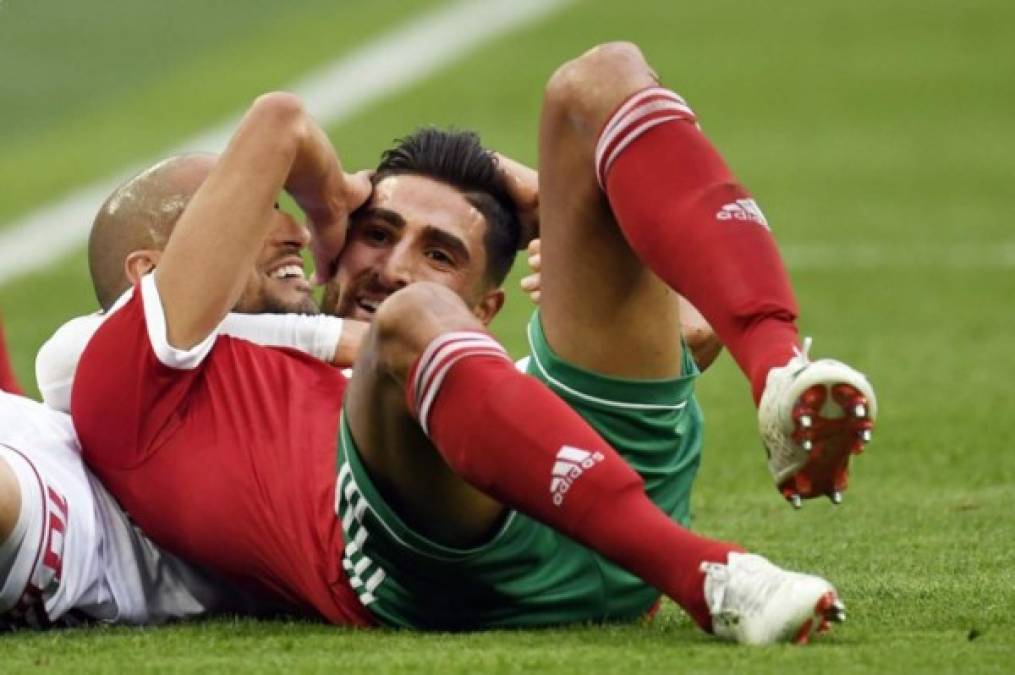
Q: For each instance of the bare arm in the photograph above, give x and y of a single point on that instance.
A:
(217, 239)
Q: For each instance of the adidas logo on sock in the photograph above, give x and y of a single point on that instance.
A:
(743, 209)
(570, 465)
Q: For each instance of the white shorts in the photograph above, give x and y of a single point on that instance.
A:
(74, 555)
(46, 567)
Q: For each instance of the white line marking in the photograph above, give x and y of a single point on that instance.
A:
(938, 256)
(381, 68)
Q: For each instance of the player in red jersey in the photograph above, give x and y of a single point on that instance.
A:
(98, 566)
(8, 382)
(235, 507)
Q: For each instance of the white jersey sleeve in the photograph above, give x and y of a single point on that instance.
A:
(57, 360)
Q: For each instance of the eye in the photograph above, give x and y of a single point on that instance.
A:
(377, 235)
(440, 257)
(371, 233)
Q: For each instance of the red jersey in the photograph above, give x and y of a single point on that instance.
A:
(224, 454)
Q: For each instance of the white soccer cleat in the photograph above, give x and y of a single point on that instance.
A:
(813, 415)
(754, 602)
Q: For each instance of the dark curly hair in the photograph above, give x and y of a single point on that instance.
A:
(459, 159)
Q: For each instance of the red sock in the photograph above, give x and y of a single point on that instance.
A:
(508, 435)
(688, 219)
(8, 382)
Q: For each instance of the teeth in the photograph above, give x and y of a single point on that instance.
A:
(288, 271)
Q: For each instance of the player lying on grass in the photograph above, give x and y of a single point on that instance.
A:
(179, 429)
(615, 358)
(68, 553)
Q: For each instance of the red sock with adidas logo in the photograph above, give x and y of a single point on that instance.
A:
(8, 382)
(686, 216)
(511, 437)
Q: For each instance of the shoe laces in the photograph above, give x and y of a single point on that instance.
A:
(755, 582)
(801, 357)
(804, 353)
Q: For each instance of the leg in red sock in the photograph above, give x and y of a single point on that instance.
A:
(505, 434)
(679, 207)
(698, 228)
(686, 217)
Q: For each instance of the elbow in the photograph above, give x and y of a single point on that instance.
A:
(279, 104)
(280, 116)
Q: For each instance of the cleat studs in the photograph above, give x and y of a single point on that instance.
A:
(836, 497)
(860, 410)
(794, 500)
(866, 435)
(805, 421)
(807, 445)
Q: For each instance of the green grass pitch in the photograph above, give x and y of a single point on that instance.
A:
(878, 139)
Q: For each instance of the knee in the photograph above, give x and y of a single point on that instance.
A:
(585, 90)
(10, 501)
(409, 319)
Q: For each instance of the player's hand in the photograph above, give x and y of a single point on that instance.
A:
(523, 187)
(531, 283)
(329, 229)
(698, 335)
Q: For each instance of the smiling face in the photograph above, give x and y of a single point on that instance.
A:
(413, 229)
(135, 223)
(277, 284)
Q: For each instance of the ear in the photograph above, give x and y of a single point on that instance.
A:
(139, 263)
(489, 305)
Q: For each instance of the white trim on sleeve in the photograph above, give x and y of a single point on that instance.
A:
(155, 320)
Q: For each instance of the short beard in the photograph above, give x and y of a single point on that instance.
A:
(274, 305)
(332, 294)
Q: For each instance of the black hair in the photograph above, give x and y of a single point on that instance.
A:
(459, 159)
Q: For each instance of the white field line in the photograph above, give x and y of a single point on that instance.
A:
(389, 64)
(938, 256)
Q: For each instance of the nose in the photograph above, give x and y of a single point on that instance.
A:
(291, 232)
(397, 269)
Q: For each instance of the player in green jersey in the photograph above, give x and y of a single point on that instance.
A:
(434, 540)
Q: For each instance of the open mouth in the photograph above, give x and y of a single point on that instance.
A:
(369, 305)
(288, 272)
